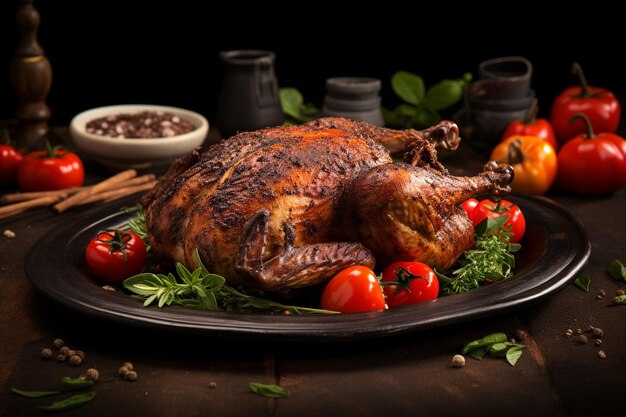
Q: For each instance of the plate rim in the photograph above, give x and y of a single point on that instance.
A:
(86, 296)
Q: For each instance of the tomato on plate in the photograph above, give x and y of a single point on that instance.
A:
(414, 282)
(52, 169)
(487, 208)
(353, 290)
(114, 255)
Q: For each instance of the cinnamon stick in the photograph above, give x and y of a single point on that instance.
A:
(16, 208)
(95, 189)
(17, 197)
(111, 195)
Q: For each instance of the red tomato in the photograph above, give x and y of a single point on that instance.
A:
(115, 255)
(9, 161)
(469, 206)
(353, 290)
(541, 128)
(598, 104)
(592, 164)
(415, 282)
(487, 208)
(52, 169)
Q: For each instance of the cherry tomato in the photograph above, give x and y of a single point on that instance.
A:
(52, 169)
(533, 160)
(592, 164)
(487, 208)
(353, 290)
(9, 161)
(598, 104)
(114, 255)
(469, 205)
(532, 126)
(416, 282)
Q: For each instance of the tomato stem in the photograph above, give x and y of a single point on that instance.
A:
(516, 154)
(577, 70)
(116, 242)
(531, 115)
(404, 278)
(590, 134)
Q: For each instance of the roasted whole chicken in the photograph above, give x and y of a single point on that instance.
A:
(291, 206)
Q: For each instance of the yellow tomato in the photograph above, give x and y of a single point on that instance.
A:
(533, 160)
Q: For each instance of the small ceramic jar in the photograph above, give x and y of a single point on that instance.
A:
(355, 98)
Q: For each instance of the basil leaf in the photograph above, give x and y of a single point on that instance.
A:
(33, 394)
(269, 390)
(390, 117)
(75, 383)
(409, 87)
(425, 117)
(513, 354)
(498, 349)
(479, 353)
(617, 270)
(291, 101)
(485, 341)
(71, 402)
(582, 281)
(444, 94)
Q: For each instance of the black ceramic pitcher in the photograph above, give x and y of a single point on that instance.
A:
(249, 94)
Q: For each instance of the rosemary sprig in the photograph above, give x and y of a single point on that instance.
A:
(138, 223)
(492, 259)
(203, 290)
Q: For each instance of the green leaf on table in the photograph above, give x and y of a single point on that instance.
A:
(485, 341)
(269, 390)
(582, 281)
(479, 353)
(498, 349)
(513, 354)
(71, 402)
(617, 270)
(444, 94)
(75, 383)
(33, 394)
(409, 87)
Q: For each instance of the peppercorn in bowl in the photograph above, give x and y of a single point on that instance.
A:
(139, 136)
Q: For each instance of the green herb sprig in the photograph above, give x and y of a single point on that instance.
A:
(67, 384)
(203, 290)
(138, 223)
(294, 107)
(496, 345)
(492, 259)
(269, 390)
(583, 281)
(421, 107)
(617, 270)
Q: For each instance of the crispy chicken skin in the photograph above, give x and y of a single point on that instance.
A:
(290, 206)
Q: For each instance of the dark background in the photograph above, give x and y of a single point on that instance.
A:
(166, 53)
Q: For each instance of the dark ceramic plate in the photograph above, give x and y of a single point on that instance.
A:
(555, 248)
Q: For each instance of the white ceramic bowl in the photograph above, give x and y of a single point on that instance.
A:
(142, 154)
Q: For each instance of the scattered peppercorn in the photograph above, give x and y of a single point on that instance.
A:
(579, 331)
(64, 350)
(9, 233)
(620, 292)
(108, 288)
(581, 338)
(80, 353)
(212, 384)
(520, 334)
(129, 365)
(602, 354)
(58, 343)
(131, 376)
(123, 371)
(75, 360)
(92, 374)
(46, 353)
(597, 333)
(71, 353)
(61, 357)
(602, 293)
(597, 342)
(458, 361)
(569, 332)
(590, 328)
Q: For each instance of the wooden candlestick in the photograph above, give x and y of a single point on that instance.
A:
(31, 77)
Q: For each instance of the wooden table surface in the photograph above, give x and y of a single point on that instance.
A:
(404, 375)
